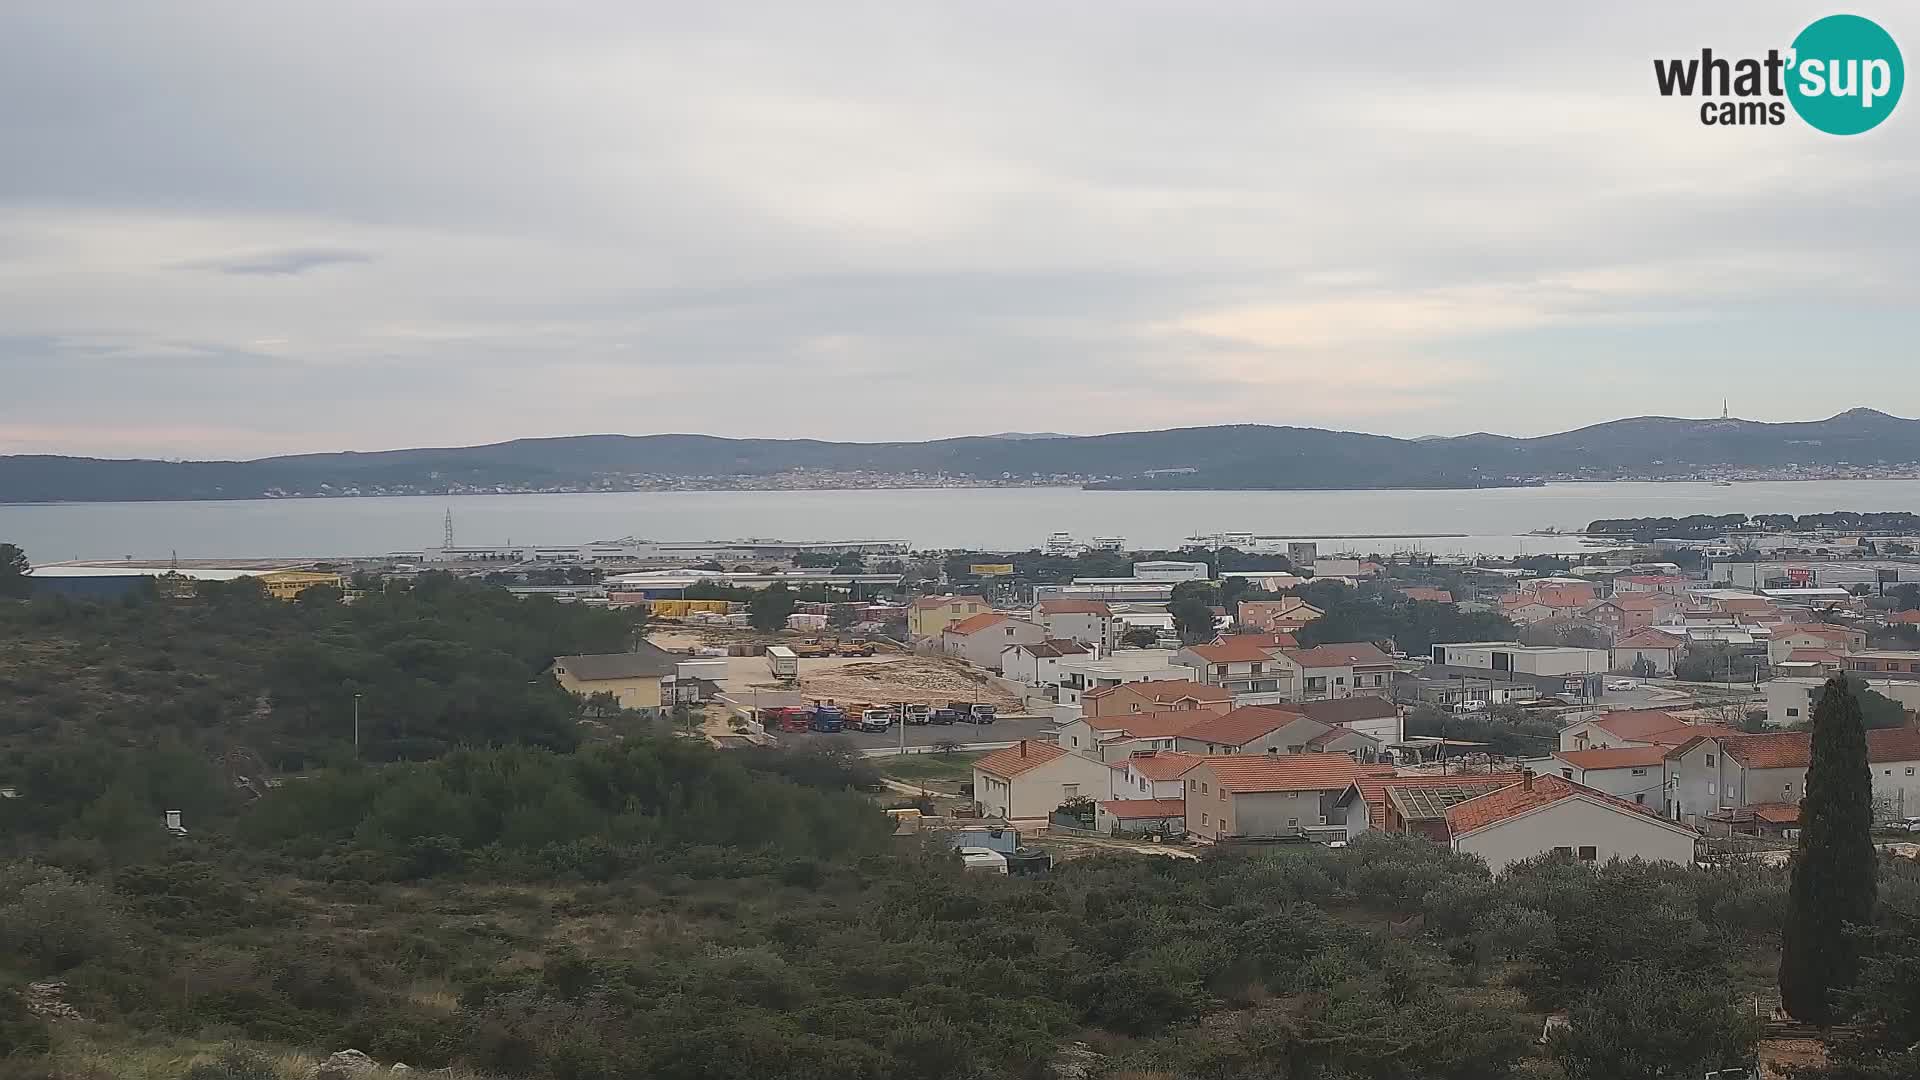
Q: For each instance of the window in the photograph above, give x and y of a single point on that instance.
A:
(1009, 631)
(1909, 770)
(1073, 740)
(1293, 823)
(1639, 772)
(1275, 750)
(1203, 819)
(1339, 680)
(1641, 798)
(1589, 853)
(1223, 794)
(1143, 783)
(1193, 785)
(1710, 790)
(1069, 791)
(1563, 851)
(1203, 789)
(1793, 712)
(1709, 761)
(1567, 773)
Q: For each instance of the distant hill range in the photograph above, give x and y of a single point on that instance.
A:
(1245, 456)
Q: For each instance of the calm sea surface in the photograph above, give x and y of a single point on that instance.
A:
(1492, 521)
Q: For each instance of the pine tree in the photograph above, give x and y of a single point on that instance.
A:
(1834, 867)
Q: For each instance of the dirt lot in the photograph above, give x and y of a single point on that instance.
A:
(930, 679)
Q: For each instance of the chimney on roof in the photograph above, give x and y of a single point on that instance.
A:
(1526, 779)
(1023, 748)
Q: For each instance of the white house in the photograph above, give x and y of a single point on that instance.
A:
(980, 639)
(1150, 774)
(1030, 779)
(1038, 664)
(1790, 699)
(1542, 814)
(1252, 729)
(1653, 646)
(1340, 669)
(1634, 773)
(1089, 622)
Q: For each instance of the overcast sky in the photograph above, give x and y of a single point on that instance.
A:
(234, 229)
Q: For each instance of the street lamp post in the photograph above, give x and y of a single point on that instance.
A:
(356, 723)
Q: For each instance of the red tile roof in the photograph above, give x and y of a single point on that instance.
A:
(1813, 656)
(1235, 649)
(1374, 788)
(1342, 711)
(1150, 725)
(1054, 647)
(1241, 726)
(1160, 764)
(1655, 726)
(1776, 813)
(1339, 654)
(1019, 758)
(1636, 601)
(1770, 750)
(1138, 809)
(1623, 757)
(1903, 617)
(1893, 744)
(1161, 691)
(1416, 592)
(1249, 773)
(1516, 799)
(1074, 607)
(973, 624)
(1647, 639)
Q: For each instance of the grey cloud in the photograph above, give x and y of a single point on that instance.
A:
(284, 262)
(912, 219)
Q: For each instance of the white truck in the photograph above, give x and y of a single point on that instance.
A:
(782, 662)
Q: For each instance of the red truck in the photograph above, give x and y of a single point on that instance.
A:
(788, 718)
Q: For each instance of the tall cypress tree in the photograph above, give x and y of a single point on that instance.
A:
(1834, 867)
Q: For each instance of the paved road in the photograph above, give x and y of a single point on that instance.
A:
(1000, 731)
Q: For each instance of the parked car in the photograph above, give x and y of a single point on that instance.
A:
(1622, 684)
(943, 717)
(1470, 707)
(876, 720)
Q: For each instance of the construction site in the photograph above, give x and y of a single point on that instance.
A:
(889, 675)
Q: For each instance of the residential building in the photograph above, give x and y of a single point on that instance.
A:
(1377, 717)
(1354, 743)
(1150, 774)
(1656, 648)
(1141, 817)
(1082, 675)
(1113, 738)
(1241, 664)
(1341, 670)
(632, 678)
(1671, 584)
(1337, 568)
(1634, 727)
(1264, 614)
(1624, 613)
(1257, 795)
(1250, 730)
(1089, 622)
(927, 616)
(1154, 696)
(1038, 664)
(1416, 805)
(1790, 698)
(1634, 773)
(1421, 592)
(1543, 814)
(1717, 778)
(1820, 636)
(1030, 779)
(1893, 662)
(980, 639)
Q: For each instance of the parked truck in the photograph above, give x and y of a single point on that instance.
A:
(828, 719)
(782, 662)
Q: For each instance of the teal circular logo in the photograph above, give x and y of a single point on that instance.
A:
(1847, 75)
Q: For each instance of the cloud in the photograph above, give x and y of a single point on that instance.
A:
(285, 262)
(915, 220)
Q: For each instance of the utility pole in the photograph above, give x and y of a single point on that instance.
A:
(356, 723)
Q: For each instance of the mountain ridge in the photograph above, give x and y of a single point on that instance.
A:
(1217, 457)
